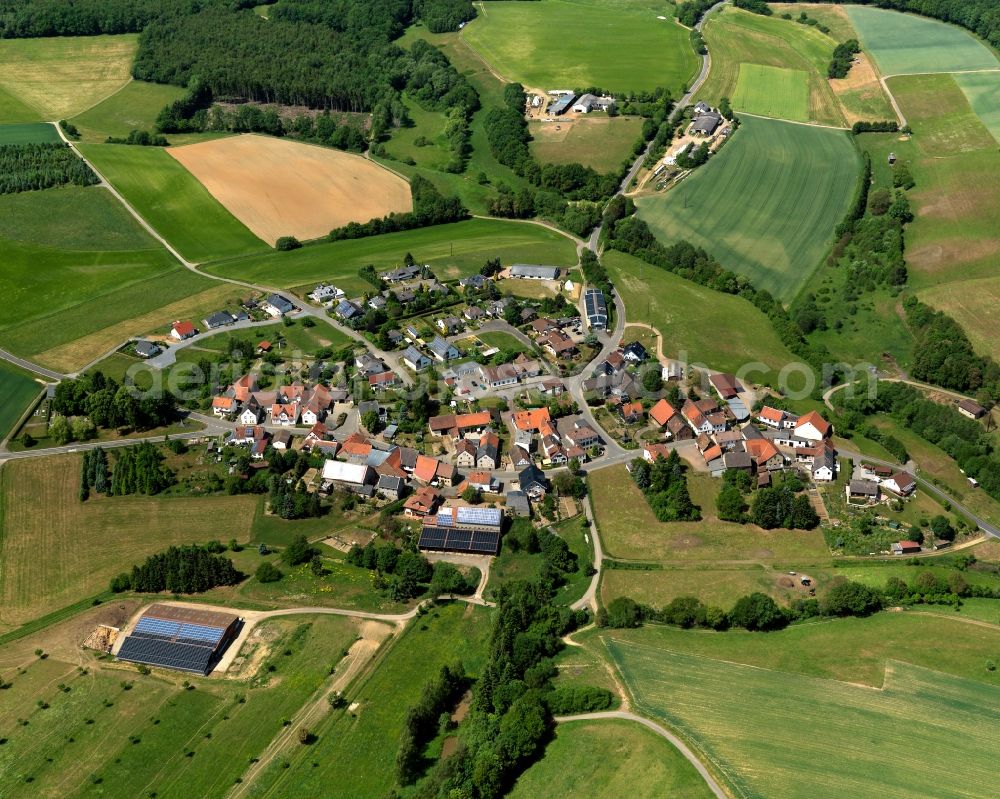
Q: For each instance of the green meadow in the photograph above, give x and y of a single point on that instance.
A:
(982, 89)
(904, 44)
(772, 92)
(17, 392)
(173, 201)
(766, 205)
(689, 317)
(454, 250)
(785, 734)
(28, 133)
(618, 45)
(133, 107)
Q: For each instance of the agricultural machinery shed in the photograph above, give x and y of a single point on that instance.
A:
(185, 639)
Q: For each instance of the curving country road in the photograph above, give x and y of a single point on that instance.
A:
(678, 744)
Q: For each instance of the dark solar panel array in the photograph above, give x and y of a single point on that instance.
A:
(172, 654)
(480, 542)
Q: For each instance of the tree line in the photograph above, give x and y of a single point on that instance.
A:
(510, 719)
(30, 167)
(430, 207)
(111, 405)
(843, 58)
(179, 570)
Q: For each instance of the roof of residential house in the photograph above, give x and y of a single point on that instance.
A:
(283, 304)
(712, 453)
(423, 500)
(390, 482)
(661, 412)
(382, 378)
(426, 468)
(530, 475)
(355, 445)
(737, 460)
(346, 309)
(224, 403)
(636, 350)
(183, 328)
(441, 348)
(531, 420)
(770, 414)
(517, 501)
(629, 409)
(904, 481)
(481, 477)
(817, 421)
(654, 451)
(691, 412)
(761, 450)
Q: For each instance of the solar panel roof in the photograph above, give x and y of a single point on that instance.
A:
(172, 654)
(451, 540)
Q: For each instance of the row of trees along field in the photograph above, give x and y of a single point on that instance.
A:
(109, 404)
(29, 167)
(510, 720)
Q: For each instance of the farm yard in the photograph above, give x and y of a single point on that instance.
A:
(754, 736)
(619, 45)
(280, 188)
(457, 250)
(739, 39)
(645, 765)
(598, 141)
(687, 316)
(98, 733)
(766, 205)
(43, 569)
(904, 44)
(53, 78)
(172, 200)
(772, 92)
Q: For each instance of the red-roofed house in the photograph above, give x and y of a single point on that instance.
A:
(426, 469)
(422, 503)
(662, 412)
(224, 406)
(812, 427)
(383, 381)
(531, 420)
(182, 330)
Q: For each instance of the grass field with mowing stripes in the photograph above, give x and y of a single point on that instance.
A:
(790, 736)
(766, 205)
(43, 568)
(173, 201)
(644, 765)
(906, 43)
(982, 89)
(54, 78)
(618, 45)
(17, 391)
(737, 38)
(28, 133)
(772, 92)
(452, 250)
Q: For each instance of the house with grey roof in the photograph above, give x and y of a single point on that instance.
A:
(218, 319)
(414, 359)
(146, 349)
(442, 350)
(277, 305)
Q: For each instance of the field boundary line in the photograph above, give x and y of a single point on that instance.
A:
(793, 121)
(92, 107)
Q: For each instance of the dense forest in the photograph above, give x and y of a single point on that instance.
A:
(29, 167)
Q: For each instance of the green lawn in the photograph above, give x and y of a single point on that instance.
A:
(45, 79)
(143, 735)
(743, 43)
(92, 271)
(578, 762)
(766, 205)
(596, 141)
(772, 92)
(551, 44)
(173, 201)
(17, 391)
(785, 735)
(453, 250)
(983, 92)
(503, 341)
(28, 133)
(906, 43)
(689, 317)
(355, 750)
(134, 107)
(630, 531)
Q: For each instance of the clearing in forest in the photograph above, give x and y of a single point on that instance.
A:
(283, 188)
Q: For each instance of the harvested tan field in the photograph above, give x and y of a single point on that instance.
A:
(280, 188)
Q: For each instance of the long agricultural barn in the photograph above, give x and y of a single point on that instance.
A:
(473, 530)
(186, 639)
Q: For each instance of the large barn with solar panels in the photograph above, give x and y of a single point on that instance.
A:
(186, 639)
(471, 530)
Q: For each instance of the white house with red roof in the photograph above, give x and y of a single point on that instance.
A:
(182, 330)
(813, 427)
